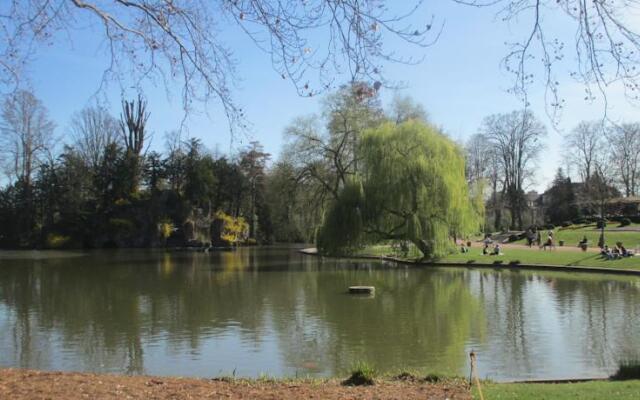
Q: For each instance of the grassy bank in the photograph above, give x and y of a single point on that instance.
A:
(595, 390)
(512, 255)
(613, 233)
(518, 255)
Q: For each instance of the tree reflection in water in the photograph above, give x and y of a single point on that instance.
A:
(275, 311)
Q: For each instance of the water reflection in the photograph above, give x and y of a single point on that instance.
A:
(275, 311)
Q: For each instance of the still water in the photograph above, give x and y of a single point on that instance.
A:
(274, 311)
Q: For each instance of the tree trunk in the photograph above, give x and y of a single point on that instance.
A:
(425, 248)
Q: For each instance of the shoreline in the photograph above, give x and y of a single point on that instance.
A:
(312, 251)
(27, 384)
(19, 384)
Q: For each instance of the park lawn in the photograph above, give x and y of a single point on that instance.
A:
(573, 234)
(595, 390)
(537, 256)
(518, 256)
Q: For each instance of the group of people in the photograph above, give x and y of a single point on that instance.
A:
(618, 251)
(486, 250)
(496, 251)
(534, 235)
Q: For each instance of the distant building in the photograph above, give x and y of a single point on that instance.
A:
(535, 207)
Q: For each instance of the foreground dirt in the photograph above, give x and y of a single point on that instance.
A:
(18, 384)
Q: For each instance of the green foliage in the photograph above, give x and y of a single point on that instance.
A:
(234, 230)
(342, 231)
(627, 370)
(165, 229)
(200, 181)
(121, 226)
(561, 198)
(362, 374)
(282, 195)
(413, 188)
(56, 241)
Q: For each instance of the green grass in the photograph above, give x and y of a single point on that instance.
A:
(361, 374)
(574, 234)
(595, 390)
(537, 256)
(518, 256)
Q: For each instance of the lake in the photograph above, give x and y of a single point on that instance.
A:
(276, 312)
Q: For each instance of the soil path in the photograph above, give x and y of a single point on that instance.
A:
(20, 384)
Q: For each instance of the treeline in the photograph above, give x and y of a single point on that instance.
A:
(504, 157)
(358, 173)
(103, 189)
(354, 174)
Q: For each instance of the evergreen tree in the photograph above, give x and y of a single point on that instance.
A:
(561, 200)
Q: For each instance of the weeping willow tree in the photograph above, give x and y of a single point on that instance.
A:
(412, 188)
(342, 230)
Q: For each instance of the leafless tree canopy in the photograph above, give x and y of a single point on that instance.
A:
(611, 151)
(93, 129)
(133, 122)
(585, 146)
(167, 40)
(605, 45)
(310, 42)
(625, 157)
(516, 139)
(26, 135)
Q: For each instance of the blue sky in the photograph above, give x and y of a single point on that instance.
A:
(459, 83)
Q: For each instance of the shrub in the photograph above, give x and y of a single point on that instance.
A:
(566, 224)
(122, 202)
(627, 370)
(635, 219)
(361, 374)
(234, 230)
(550, 227)
(580, 221)
(625, 222)
(433, 378)
(165, 229)
(121, 226)
(55, 241)
(601, 224)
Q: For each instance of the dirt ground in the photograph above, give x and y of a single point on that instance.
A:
(18, 384)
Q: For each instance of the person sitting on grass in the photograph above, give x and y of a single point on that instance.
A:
(463, 248)
(615, 252)
(583, 243)
(485, 249)
(496, 250)
(623, 250)
(606, 252)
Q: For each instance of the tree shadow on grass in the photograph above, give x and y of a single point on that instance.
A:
(577, 263)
